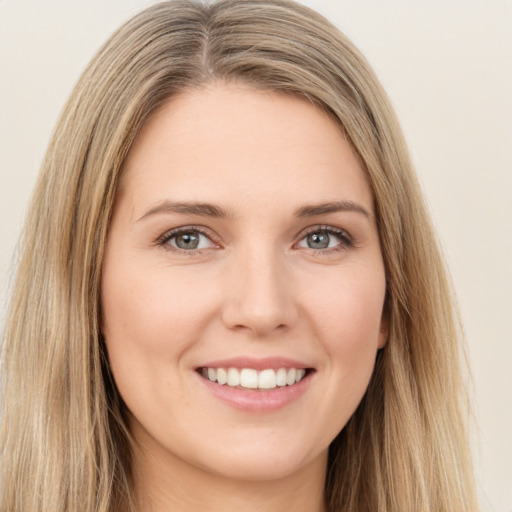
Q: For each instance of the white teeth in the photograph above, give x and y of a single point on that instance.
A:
(290, 378)
(233, 377)
(281, 377)
(222, 376)
(267, 379)
(248, 378)
(252, 379)
(299, 374)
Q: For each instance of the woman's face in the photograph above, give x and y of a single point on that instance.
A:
(243, 246)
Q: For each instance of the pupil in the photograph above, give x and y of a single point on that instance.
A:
(187, 241)
(318, 241)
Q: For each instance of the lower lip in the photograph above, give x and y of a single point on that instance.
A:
(258, 400)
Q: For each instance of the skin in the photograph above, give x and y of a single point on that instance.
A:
(254, 288)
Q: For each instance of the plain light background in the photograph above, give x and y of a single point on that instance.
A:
(447, 66)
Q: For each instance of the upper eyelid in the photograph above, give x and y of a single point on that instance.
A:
(184, 229)
(346, 240)
(324, 227)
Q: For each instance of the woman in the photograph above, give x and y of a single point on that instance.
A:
(229, 292)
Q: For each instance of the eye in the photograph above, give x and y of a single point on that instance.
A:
(186, 239)
(326, 238)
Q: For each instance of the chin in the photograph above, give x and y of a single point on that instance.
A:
(260, 461)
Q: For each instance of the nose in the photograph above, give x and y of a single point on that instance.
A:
(259, 296)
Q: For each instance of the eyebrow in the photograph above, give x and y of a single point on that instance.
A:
(190, 208)
(333, 207)
(211, 210)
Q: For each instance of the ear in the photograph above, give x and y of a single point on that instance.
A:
(383, 332)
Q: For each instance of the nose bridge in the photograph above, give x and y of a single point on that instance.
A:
(259, 296)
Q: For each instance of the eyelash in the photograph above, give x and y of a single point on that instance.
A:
(346, 241)
(169, 235)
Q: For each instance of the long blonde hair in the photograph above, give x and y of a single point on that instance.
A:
(64, 441)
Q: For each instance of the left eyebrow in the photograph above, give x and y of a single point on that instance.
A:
(333, 207)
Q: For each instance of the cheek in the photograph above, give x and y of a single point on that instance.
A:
(151, 314)
(350, 304)
(150, 321)
(348, 319)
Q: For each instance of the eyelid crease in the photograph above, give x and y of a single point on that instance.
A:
(329, 229)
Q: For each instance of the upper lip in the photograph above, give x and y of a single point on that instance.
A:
(256, 363)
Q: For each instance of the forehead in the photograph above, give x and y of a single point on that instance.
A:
(232, 143)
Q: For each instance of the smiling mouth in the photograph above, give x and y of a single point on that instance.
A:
(251, 379)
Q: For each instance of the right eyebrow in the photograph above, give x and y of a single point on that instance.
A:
(190, 208)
